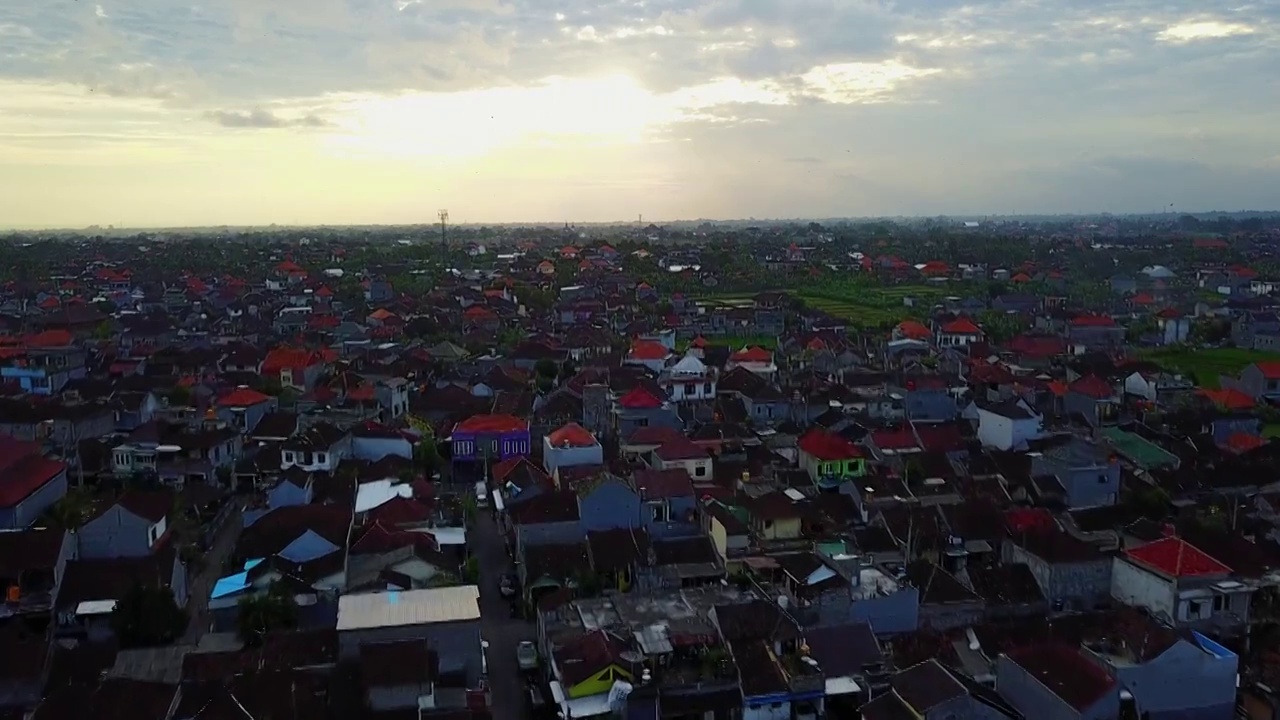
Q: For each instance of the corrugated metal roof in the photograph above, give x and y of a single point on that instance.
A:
(411, 607)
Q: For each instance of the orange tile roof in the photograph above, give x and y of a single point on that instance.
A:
(572, 435)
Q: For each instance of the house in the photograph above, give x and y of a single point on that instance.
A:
(1095, 332)
(490, 438)
(1160, 388)
(642, 408)
(729, 530)
(828, 458)
(669, 504)
(1256, 330)
(753, 359)
(1057, 681)
(1084, 473)
(570, 446)
(1261, 380)
(648, 353)
(1181, 585)
(321, 448)
(135, 525)
(688, 380)
(1008, 425)
(1174, 327)
(446, 619)
(373, 442)
(960, 332)
(1171, 674)
(32, 564)
(929, 691)
(90, 590)
(296, 368)
(29, 482)
(1093, 399)
(1071, 573)
(243, 408)
(403, 675)
(683, 454)
(591, 664)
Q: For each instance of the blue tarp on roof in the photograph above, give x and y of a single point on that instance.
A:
(233, 584)
(307, 547)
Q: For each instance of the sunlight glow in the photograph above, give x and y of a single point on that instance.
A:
(1186, 32)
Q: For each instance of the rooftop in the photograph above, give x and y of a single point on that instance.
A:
(409, 607)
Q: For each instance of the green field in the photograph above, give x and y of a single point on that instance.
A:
(857, 303)
(737, 342)
(1206, 366)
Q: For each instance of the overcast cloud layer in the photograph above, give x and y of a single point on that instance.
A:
(153, 112)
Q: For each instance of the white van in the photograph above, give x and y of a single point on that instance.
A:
(482, 495)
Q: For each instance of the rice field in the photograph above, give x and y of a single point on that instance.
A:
(1205, 366)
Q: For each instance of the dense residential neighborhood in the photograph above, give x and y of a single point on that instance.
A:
(786, 472)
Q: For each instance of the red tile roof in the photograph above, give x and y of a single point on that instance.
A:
(243, 397)
(492, 424)
(895, 439)
(752, 354)
(22, 478)
(295, 358)
(961, 326)
(681, 449)
(826, 445)
(657, 484)
(571, 435)
(51, 338)
(1243, 442)
(648, 350)
(913, 330)
(1229, 398)
(1270, 369)
(640, 398)
(1093, 321)
(1092, 386)
(1177, 558)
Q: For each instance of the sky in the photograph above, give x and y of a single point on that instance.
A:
(144, 113)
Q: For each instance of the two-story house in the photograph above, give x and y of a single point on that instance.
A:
(1008, 425)
(753, 359)
(1071, 573)
(960, 332)
(1182, 585)
(1094, 399)
(683, 454)
(828, 458)
(569, 446)
(1171, 674)
(641, 407)
(688, 380)
(321, 448)
(489, 438)
(1086, 473)
(1260, 380)
(296, 368)
(243, 407)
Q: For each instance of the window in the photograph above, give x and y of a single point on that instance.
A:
(700, 471)
(288, 456)
(1193, 608)
(1219, 603)
(322, 458)
(1103, 479)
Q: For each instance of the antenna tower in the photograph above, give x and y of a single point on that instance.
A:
(444, 224)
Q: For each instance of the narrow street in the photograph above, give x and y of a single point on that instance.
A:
(502, 631)
(200, 585)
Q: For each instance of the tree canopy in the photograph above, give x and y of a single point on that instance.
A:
(260, 614)
(148, 616)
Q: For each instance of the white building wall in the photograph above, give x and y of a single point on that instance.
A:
(1140, 588)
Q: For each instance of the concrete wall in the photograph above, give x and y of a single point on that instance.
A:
(609, 506)
(457, 644)
(1183, 683)
(374, 449)
(1134, 586)
(1078, 585)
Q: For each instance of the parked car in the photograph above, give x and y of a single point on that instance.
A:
(527, 656)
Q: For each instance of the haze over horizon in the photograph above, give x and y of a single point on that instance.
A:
(143, 113)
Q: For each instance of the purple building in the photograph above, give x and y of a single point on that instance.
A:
(496, 437)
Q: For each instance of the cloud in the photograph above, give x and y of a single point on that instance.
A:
(699, 107)
(1191, 31)
(259, 118)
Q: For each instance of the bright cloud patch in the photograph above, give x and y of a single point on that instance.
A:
(1186, 32)
(846, 83)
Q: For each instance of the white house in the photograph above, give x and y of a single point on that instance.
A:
(570, 446)
(756, 359)
(1174, 326)
(320, 449)
(1156, 387)
(960, 332)
(683, 453)
(1180, 584)
(1008, 425)
(688, 380)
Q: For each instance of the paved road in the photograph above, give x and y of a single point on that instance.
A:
(502, 631)
(199, 587)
